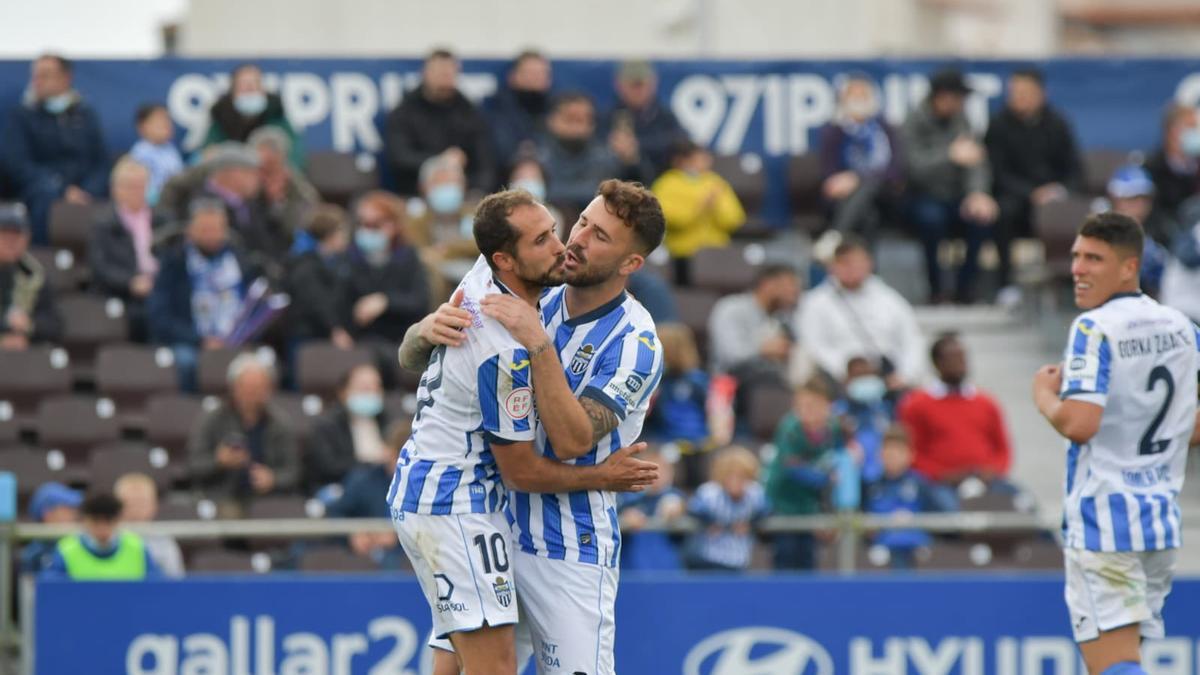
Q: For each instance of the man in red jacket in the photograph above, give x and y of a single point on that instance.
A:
(957, 430)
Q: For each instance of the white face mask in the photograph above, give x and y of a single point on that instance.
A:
(250, 104)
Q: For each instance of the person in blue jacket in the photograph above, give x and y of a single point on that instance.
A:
(52, 146)
(102, 551)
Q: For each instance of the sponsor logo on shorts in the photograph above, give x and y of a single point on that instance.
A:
(445, 595)
(503, 591)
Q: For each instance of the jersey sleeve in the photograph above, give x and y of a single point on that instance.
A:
(628, 371)
(505, 397)
(1088, 367)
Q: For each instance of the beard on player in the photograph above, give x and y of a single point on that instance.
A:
(587, 273)
(544, 274)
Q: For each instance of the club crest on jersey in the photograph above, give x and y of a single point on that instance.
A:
(582, 358)
(519, 402)
(503, 591)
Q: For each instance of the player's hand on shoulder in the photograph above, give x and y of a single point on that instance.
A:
(519, 317)
(446, 325)
(626, 473)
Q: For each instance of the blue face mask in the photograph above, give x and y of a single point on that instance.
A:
(446, 198)
(533, 186)
(370, 241)
(364, 405)
(1190, 142)
(867, 389)
(56, 105)
(250, 104)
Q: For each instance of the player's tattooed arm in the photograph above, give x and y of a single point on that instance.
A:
(603, 419)
(443, 327)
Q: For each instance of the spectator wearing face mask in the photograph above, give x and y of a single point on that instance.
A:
(350, 433)
(246, 107)
(1175, 169)
(861, 165)
(957, 430)
(866, 404)
(700, 206)
(518, 111)
(387, 286)
(52, 146)
(439, 223)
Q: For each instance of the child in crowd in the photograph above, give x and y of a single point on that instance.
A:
(154, 148)
(662, 501)
(52, 504)
(865, 403)
(807, 442)
(139, 504)
(728, 507)
(902, 490)
(678, 414)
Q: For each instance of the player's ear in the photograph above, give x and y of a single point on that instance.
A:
(632, 263)
(503, 261)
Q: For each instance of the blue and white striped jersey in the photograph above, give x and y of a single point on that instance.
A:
(1139, 361)
(612, 355)
(470, 397)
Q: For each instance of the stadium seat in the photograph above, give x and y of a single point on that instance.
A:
(1040, 553)
(71, 225)
(768, 403)
(74, 424)
(1055, 224)
(746, 176)
(223, 561)
(804, 192)
(110, 461)
(29, 376)
(275, 507)
(32, 467)
(729, 269)
(1099, 164)
(301, 410)
(321, 365)
(174, 507)
(169, 420)
(90, 321)
(341, 176)
(129, 374)
(695, 304)
(62, 271)
(10, 428)
(944, 555)
(335, 559)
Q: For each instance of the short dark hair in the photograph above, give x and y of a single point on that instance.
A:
(493, 231)
(768, 272)
(327, 220)
(67, 65)
(818, 386)
(638, 208)
(440, 53)
(897, 434)
(145, 110)
(683, 148)
(568, 97)
(1031, 73)
(1116, 230)
(344, 380)
(525, 55)
(102, 506)
(944, 338)
(850, 244)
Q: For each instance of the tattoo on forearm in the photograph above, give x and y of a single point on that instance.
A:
(414, 351)
(603, 420)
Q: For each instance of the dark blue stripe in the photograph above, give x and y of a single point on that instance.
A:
(478, 491)
(552, 527)
(489, 407)
(1102, 375)
(416, 483)
(551, 307)
(562, 337)
(1120, 522)
(521, 500)
(394, 487)
(616, 540)
(645, 355)
(494, 497)
(1146, 517)
(585, 529)
(1072, 460)
(1164, 505)
(1079, 347)
(1091, 532)
(443, 500)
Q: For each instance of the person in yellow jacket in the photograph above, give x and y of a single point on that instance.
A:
(101, 552)
(700, 206)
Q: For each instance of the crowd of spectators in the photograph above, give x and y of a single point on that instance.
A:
(183, 246)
